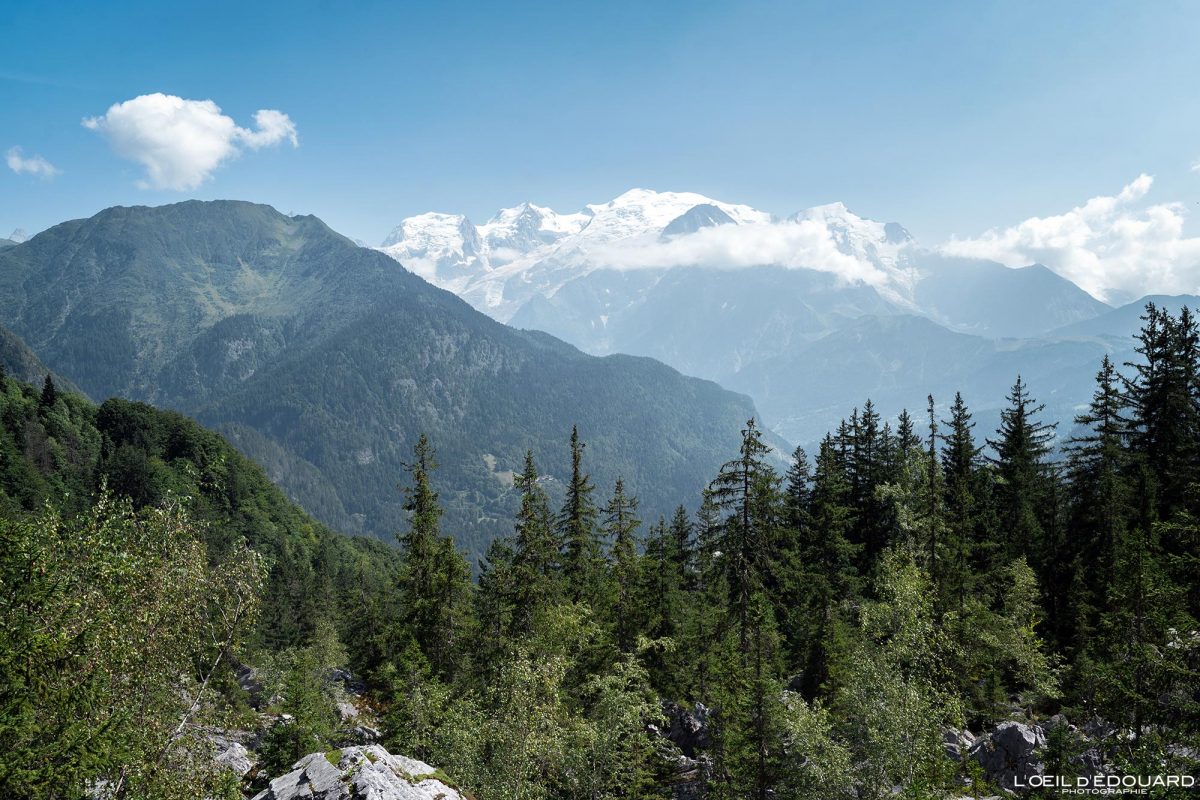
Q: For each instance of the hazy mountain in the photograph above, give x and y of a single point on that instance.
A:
(706, 322)
(990, 299)
(18, 236)
(1125, 321)
(7, 243)
(897, 361)
(782, 321)
(324, 361)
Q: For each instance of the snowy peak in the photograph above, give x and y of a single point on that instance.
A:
(516, 231)
(644, 211)
(19, 236)
(442, 248)
(875, 242)
(530, 251)
(704, 215)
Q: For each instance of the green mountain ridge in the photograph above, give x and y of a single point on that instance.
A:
(63, 454)
(325, 361)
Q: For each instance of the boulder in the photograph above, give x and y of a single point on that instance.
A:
(361, 773)
(956, 742)
(687, 728)
(236, 758)
(1009, 755)
(347, 710)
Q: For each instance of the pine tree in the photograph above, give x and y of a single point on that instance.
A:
(620, 526)
(1162, 395)
(961, 467)
(434, 577)
(1021, 448)
(577, 524)
(747, 491)
(827, 559)
(49, 394)
(536, 550)
(1100, 499)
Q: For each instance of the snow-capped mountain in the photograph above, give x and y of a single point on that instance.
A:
(724, 291)
(18, 236)
(530, 252)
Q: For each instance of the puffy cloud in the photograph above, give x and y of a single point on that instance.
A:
(33, 165)
(181, 142)
(803, 244)
(1115, 247)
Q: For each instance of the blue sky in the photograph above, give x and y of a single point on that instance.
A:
(951, 118)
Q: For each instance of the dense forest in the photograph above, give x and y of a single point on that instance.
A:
(825, 626)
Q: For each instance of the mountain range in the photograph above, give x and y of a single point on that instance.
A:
(324, 362)
(809, 315)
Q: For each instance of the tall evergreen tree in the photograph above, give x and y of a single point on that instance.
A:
(1100, 500)
(1021, 447)
(827, 559)
(962, 461)
(1165, 415)
(434, 576)
(747, 491)
(578, 529)
(620, 527)
(49, 394)
(537, 551)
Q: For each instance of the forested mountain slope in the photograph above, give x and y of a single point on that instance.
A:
(58, 448)
(324, 361)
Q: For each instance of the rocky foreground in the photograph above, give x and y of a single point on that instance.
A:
(1007, 760)
(359, 773)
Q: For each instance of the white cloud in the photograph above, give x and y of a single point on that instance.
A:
(181, 142)
(1116, 248)
(804, 244)
(33, 165)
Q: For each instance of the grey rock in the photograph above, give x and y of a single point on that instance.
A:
(687, 728)
(956, 742)
(1090, 762)
(1009, 755)
(237, 758)
(362, 773)
(347, 711)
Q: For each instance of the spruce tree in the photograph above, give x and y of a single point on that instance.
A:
(577, 523)
(961, 466)
(1021, 448)
(827, 559)
(747, 491)
(620, 527)
(1162, 395)
(49, 394)
(1100, 500)
(434, 576)
(537, 552)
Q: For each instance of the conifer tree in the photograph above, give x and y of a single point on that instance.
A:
(1100, 499)
(49, 394)
(747, 490)
(577, 524)
(620, 526)
(1021, 448)
(536, 550)
(1162, 395)
(827, 559)
(961, 467)
(434, 576)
